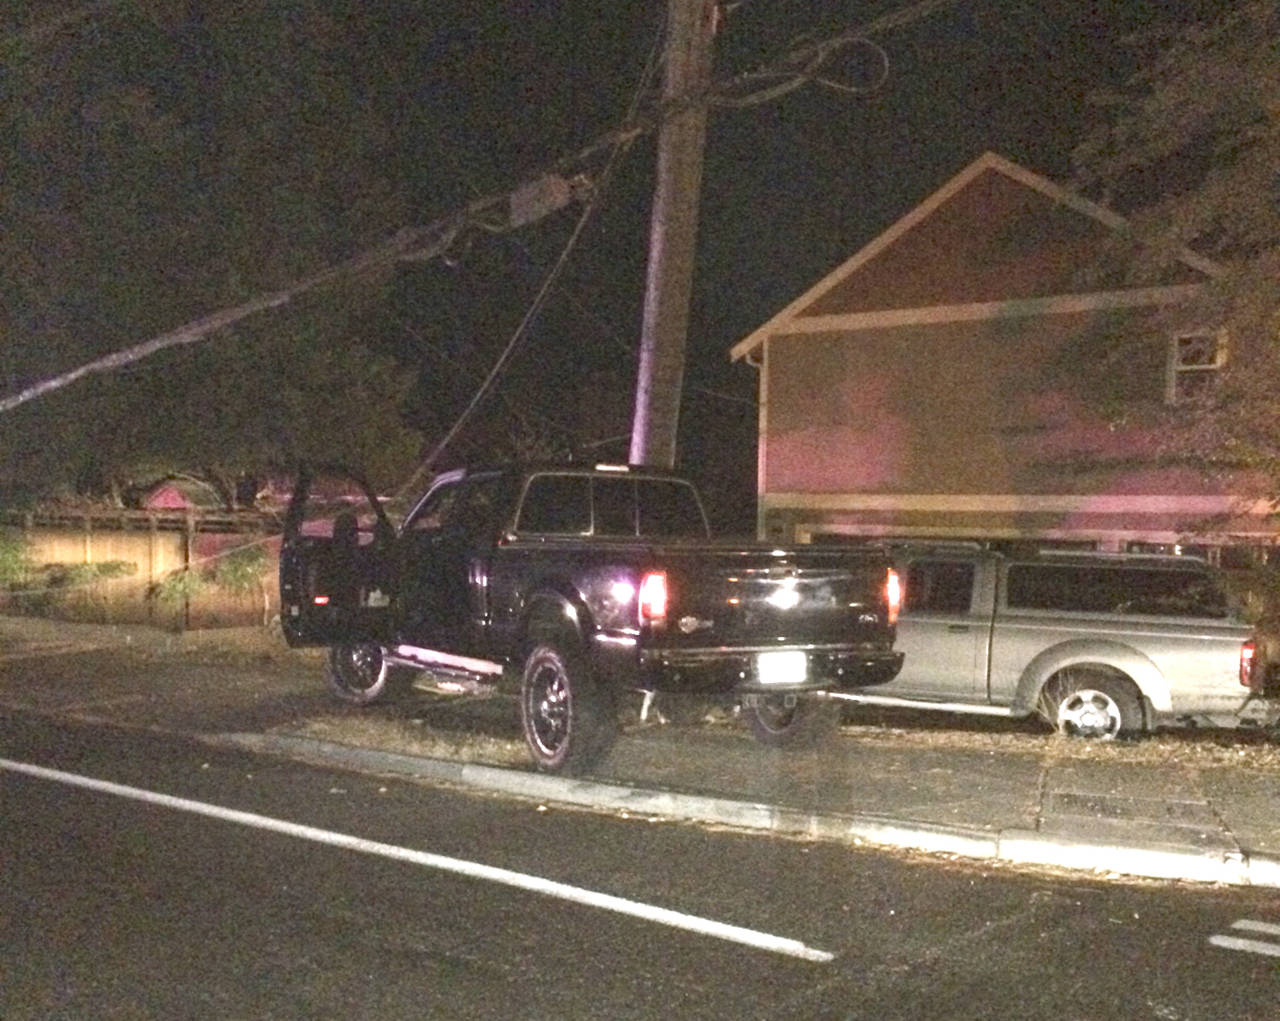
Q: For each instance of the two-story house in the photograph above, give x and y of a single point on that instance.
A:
(961, 377)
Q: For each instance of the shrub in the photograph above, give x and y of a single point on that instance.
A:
(47, 588)
(241, 569)
(177, 586)
(73, 576)
(14, 563)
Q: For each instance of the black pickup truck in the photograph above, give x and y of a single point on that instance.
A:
(574, 584)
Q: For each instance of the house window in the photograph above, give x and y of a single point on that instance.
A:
(1194, 360)
(1168, 549)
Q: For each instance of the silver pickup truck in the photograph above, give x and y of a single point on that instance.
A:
(1096, 644)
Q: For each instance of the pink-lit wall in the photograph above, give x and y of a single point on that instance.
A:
(998, 406)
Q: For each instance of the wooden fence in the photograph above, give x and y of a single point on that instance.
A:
(119, 566)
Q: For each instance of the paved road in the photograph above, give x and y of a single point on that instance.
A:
(119, 907)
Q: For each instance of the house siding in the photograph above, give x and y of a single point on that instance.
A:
(1026, 405)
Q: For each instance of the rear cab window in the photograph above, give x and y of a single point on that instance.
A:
(621, 507)
(614, 506)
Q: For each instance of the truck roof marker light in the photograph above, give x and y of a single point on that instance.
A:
(893, 594)
(653, 597)
(1247, 653)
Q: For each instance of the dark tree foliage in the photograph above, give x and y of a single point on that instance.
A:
(1191, 153)
(169, 158)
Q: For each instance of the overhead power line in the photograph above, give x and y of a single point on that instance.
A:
(539, 195)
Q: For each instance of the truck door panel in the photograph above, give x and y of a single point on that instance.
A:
(445, 553)
(336, 568)
(943, 632)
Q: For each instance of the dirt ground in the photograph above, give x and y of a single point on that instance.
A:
(247, 679)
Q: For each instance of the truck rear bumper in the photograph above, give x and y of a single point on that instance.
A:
(766, 669)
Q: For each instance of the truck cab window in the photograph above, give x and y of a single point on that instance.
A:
(556, 505)
(939, 586)
(475, 511)
(435, 510)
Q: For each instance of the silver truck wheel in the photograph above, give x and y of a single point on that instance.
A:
(792, 721)
(357, 674)
(568, 718)
(1092, 705)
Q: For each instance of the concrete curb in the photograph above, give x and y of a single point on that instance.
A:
(1013, 845)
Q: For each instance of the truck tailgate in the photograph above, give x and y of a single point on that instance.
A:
(732, 598)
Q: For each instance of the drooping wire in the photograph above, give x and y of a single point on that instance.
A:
(593, 203)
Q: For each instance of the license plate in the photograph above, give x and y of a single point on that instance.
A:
(783, 667)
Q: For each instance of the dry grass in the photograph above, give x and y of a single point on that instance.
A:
(1247, 748)
(414, 737)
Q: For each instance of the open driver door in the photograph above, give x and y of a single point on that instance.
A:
(337, 563)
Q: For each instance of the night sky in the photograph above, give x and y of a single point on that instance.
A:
(477, 96)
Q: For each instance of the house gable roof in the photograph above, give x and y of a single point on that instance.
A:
(995, 239)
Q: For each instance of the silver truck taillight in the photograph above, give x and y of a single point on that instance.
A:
(1247, 653)
(653, 597)
(893, 594)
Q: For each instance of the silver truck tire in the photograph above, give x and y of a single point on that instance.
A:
(1092, 704)
(805, 722)
(567, 716)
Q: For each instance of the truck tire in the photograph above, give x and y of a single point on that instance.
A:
(359, 675)
(568, 717)
(804, 723)
(1092, 704)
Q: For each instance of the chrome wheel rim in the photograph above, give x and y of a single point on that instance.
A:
(1089, 713)
(548, 709)
(364, 668)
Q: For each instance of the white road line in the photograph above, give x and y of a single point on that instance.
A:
(1249, 925)
(1252, 946)
(536, 884)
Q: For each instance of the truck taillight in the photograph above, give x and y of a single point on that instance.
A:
(653, 597)
(1247, 652)
(893, 594)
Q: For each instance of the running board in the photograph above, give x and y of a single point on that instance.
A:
(426, 659)
(919, 703)
(454, 683)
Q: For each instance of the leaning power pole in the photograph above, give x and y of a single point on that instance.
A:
(673, 232)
